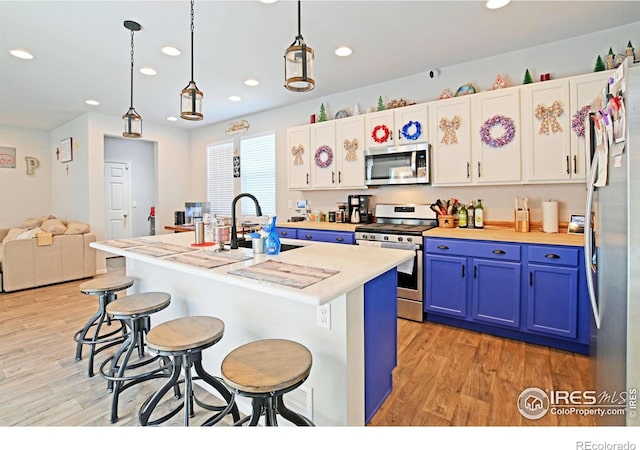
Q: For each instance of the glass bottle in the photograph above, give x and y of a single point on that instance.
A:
(479, 216)
(471, 212)
(462, 217)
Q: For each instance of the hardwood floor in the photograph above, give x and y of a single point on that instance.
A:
(445, 376)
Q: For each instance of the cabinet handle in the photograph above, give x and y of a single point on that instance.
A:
(283, 233)
(468, 170)
(307, 178)
(568, 168)
(399, 135)
(463, 267)
(339, 176)
(339, 239)
(443, 247)
(333, 177)
(499, 252)
(530, 278)
(478, 169)
(552, 256)
(308, 236)
(575, 164)
(475, 272)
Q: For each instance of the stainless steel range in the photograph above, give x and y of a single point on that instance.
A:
(401, 226)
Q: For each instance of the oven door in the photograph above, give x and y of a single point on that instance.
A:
(410, 281)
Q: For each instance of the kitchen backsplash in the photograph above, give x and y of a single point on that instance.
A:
(497, 200)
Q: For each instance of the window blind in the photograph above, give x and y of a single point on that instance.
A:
(220, 177)
(258, 172)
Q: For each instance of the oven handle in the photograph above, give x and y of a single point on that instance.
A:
(397, 245)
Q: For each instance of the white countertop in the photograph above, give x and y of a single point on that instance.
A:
(356, 265)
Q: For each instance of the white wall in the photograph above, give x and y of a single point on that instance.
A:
(561, 59)
(21, 195)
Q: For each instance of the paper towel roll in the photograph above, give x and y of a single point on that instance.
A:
(550, 216)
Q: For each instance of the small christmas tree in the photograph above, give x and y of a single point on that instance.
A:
(380, 104)
(527, 78)
(599, 65)
(323, 113)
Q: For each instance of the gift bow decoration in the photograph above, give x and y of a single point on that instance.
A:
(297, 151)
(549, 117)
(351, 146)
(449, 127)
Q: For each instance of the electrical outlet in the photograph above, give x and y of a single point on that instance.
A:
(323, 318)
(290, 204)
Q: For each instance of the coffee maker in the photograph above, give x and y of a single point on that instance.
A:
(359, 209)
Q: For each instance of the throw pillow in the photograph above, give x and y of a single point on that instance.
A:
(29, 234)
(53, 226)
(77, 228)
(13, 234)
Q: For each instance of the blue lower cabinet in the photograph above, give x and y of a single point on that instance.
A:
(496, 292)
(445, 284)
(305, 234)
(287, 233)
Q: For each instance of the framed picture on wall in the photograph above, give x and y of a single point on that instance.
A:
(66, 152)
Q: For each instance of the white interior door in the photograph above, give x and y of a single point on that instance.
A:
(117, 200)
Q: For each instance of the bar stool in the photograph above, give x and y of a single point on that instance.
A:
(123, 372)
(264, 371)
(183, 340)
(105, 288)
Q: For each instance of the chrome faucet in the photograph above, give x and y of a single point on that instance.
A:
(234, 230)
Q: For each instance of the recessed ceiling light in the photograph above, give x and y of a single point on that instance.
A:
(343, 51)
(148, 71)
(251, 82)
(235, 98)
(172, 119)
(497, 4)
(22, 54)
(92, 102)
(171, 51)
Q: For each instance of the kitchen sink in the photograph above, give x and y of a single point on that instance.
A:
(283, 247)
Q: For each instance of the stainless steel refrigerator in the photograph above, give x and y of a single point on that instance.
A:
(612, 253)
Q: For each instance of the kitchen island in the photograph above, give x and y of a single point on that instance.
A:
(347, 320)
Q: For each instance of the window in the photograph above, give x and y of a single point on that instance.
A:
(220, 190)
(258, 172)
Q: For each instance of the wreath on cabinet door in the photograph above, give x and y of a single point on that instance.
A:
(506, 123)
(385, 134)
(351, 146)
(408, 126)
(297, 151)
(549, 117)
(323, 156)
(449, 127)
(577, 122)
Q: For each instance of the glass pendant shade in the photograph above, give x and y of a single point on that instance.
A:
(132, 124)
(298, 67)
(191, 102)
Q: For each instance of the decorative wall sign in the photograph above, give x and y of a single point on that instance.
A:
(7, 157)
(236, 167)
(32, 164)
(65, 150)
(549, 117)
(351, 146)
(509, 131)
(297, 151)
(237, 127)
(449, 127)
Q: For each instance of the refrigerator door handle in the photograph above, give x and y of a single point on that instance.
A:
(589, 267)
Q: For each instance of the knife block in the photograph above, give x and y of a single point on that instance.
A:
(521, 220)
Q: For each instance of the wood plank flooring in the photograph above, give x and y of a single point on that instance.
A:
(445, 376)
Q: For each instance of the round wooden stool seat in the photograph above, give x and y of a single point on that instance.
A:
(139, 304)
(121, 370)
(266, 366)
(265, 370)
(106, 284)
(183, 340)
(185, 333)
(93, 333)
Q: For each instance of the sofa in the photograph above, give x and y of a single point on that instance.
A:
(45, 251)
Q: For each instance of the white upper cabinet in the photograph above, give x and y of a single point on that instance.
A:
(350, 141)
(450, 131)
(495, 137)
(379, 129)
(399, 126)
(546, 132)
(298, 157)
(323, 157)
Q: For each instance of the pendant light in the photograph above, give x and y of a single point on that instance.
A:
(298, 64)
(191, 97)
(132, 120)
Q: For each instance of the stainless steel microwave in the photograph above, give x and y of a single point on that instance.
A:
(408, 164)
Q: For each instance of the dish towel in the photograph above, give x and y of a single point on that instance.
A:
(407, 266)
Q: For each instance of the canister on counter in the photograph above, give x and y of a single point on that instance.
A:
(332, 216)
(340, 216)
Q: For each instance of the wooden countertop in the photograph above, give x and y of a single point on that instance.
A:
(508, 235)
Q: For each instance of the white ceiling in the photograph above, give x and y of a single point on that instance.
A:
(82, 49)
